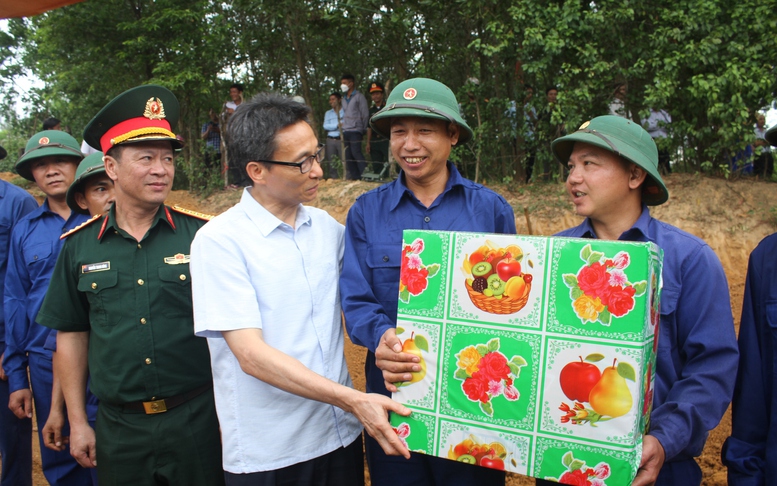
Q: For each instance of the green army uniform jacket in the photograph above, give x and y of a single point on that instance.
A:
(135, 300)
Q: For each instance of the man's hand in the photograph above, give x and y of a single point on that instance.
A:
(82, 445)
(372, 411)
(20, 403)
(395, 364)
(652, 460)
(52, 431)
(3, 376)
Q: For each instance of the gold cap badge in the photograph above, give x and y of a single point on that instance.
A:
(409, 93)
(154, 109)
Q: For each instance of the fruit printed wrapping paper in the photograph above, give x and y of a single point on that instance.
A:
(536, 352)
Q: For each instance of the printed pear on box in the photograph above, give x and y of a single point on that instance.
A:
(500, 278)
(422, 274)
(593, 391)
(483, 447)
(489, 376)
(420, 339)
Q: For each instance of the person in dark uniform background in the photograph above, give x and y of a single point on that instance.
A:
(377, 144)
(121, 296)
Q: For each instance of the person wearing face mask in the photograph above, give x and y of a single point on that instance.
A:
(357, 115)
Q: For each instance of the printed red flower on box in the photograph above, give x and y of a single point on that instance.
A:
(601, 289)
(413, 274)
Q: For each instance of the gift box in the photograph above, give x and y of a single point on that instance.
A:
(536, 352)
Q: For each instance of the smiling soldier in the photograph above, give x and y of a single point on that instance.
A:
(422, 121)
(121, 296)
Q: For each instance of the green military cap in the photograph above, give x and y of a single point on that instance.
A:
(624, 138)
(771, 135)
(422, 97)
(141, 114)
(43, 144)
(90, 166)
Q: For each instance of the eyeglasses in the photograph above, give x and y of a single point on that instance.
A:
(307, 163)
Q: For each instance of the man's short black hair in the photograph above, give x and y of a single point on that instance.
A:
(337, 94)
(528, 86)
(238, 86)
(552, 88)
(253, 128)
(348, 76)
(50, 123)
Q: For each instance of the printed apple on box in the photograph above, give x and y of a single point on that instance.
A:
(536, 352)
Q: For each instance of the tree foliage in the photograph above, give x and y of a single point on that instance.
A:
(709, 63)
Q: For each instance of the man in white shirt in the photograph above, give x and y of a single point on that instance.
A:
(265, 291)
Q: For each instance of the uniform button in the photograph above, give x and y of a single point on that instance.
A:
(427, 219)
(139, 246)
(182, 277)
(94, 285)
(35, 257)
(140, 281)
(142, 320)
(148, 360)
(385, 258)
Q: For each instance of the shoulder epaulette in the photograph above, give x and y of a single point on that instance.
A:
(81, 226)
(193, 214)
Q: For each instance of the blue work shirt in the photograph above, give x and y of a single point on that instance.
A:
(34, 248)
(15, 202)
(751, 452)
(697, 354)
(330, 123)
(369, 282)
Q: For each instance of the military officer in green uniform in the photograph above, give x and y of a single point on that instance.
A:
(120, 296)
(377, 144)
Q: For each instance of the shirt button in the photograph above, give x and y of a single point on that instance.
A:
(94, 285)
(140, 281)
(148, 360)
(139, 246)
(427, 219)
(182, 277)
(142, 320)
(385, 258)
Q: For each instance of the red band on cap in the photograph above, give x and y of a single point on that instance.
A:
(127, 126)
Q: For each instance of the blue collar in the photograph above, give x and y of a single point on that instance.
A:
(398, 188)
(640, 231)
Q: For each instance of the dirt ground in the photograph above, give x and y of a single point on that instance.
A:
(732, 216)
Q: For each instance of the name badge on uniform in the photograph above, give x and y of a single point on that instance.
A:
(95, 267)
(177, 259)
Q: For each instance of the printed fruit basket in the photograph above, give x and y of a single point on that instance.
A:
(495, 282)
(536, 353)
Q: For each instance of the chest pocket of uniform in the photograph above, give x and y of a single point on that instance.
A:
(100, 290)
(384, 261)
(176, 290)
(35, 258)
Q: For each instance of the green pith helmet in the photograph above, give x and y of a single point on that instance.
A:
(91, 165)
(624, 138)
(142, 114)
(43, 144)
(771, 136)
(422, 97)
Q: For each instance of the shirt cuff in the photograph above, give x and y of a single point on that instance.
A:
(18, 381)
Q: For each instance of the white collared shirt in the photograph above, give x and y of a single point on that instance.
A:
(251, 270)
